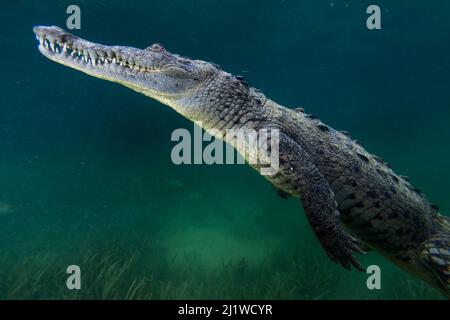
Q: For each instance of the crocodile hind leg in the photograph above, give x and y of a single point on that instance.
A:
(298, 171)
(434, 255)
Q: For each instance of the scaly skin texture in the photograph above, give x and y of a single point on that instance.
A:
(351, 198)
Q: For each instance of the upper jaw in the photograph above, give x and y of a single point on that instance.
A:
(95, 59)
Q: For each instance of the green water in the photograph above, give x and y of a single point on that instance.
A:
(85, 172)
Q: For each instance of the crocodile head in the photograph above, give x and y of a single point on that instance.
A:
(154, 71)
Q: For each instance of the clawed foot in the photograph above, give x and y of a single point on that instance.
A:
(340, 247)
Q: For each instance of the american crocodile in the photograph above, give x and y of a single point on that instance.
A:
(352, 199)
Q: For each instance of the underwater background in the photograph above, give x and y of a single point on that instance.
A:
(85, 170)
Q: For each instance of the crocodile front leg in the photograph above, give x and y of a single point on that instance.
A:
(299, 174)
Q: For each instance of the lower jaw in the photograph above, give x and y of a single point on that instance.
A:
(104, 71)
(94, 66)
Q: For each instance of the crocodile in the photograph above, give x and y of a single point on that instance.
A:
(353, 200)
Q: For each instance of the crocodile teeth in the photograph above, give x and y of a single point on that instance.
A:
(107, 58)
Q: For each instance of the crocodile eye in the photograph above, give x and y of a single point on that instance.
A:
(156, 47)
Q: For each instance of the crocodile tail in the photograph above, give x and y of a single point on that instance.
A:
(435, 255)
